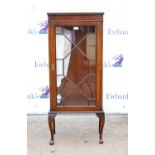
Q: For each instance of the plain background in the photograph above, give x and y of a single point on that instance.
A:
(13, 118)
(115, 80)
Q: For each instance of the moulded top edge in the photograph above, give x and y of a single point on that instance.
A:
(75, 13)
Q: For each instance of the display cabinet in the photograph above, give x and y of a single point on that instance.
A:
(75, 66)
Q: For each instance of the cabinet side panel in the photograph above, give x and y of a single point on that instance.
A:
(101, 71)
(99, 66)
(52, 66)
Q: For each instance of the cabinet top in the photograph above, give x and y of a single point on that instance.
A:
(76, 17)
(75, 13)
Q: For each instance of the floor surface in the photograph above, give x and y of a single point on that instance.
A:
(77, 135)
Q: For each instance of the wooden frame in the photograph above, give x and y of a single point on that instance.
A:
(75, 19)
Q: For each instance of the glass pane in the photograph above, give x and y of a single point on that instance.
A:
(75, 98)
(59, 64)
(91, 46)
(76, 65)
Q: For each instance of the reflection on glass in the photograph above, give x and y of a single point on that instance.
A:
(76, 65)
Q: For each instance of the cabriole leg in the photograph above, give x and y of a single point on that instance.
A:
(51, 124)
(101, 117)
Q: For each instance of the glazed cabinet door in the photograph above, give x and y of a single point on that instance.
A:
(75, 66)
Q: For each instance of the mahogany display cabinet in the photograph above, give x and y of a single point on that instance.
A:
(75, 66)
